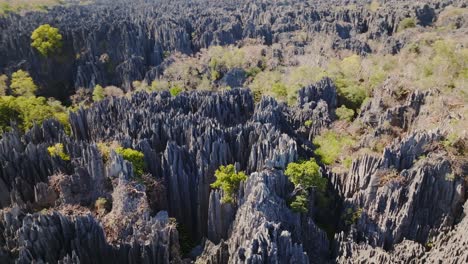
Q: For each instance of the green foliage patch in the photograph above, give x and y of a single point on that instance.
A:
(47, 40)
(58, 150)
(307, 175)
(344, 113)
(136, 157)
(22, 84)
(331, 145)
(228, 180)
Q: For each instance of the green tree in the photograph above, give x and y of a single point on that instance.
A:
(46, 39)
(306, 174)
(8, 112)
(22, 84)
(98, 93)
(228, 180)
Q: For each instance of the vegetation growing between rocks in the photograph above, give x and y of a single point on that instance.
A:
(228, 180)
(331, 146)
(58, 150)
(136, 157)
(305, 175)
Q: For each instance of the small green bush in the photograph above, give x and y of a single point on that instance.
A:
(330, 145)
(308, 123)
(136, 157)
(345, 113)
(176, 90)
(279, 90)
(57, 150)
(98, 93)
(46, 39)
(406, 23)
(228, 180)
(307, 174)
(3, 85)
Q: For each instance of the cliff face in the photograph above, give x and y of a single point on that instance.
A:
(120, 42)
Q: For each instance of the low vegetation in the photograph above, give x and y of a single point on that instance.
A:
(406, 23)
(136, 157)
(17, 6)
(332, 146)
(58, 150)
(228, 180)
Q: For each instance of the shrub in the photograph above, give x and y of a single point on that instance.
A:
(57, 150)
(22, 84)
(306, 174)
(308, 123)
(345, 113)
(98, 93)
(330, 145)
(299, 204)
(228, 180)
(175, 90)
(8, 112)
(406, 23)
(279, 90)
(46, 39)
(136, 157)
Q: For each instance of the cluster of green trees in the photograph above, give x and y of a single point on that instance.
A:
(19, 104)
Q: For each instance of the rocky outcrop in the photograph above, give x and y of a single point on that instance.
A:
(265, 230)
(403, 195)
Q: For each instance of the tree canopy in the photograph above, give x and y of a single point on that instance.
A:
(46, 39)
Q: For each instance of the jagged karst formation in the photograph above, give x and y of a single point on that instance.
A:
(402, 201)
(120, 42)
